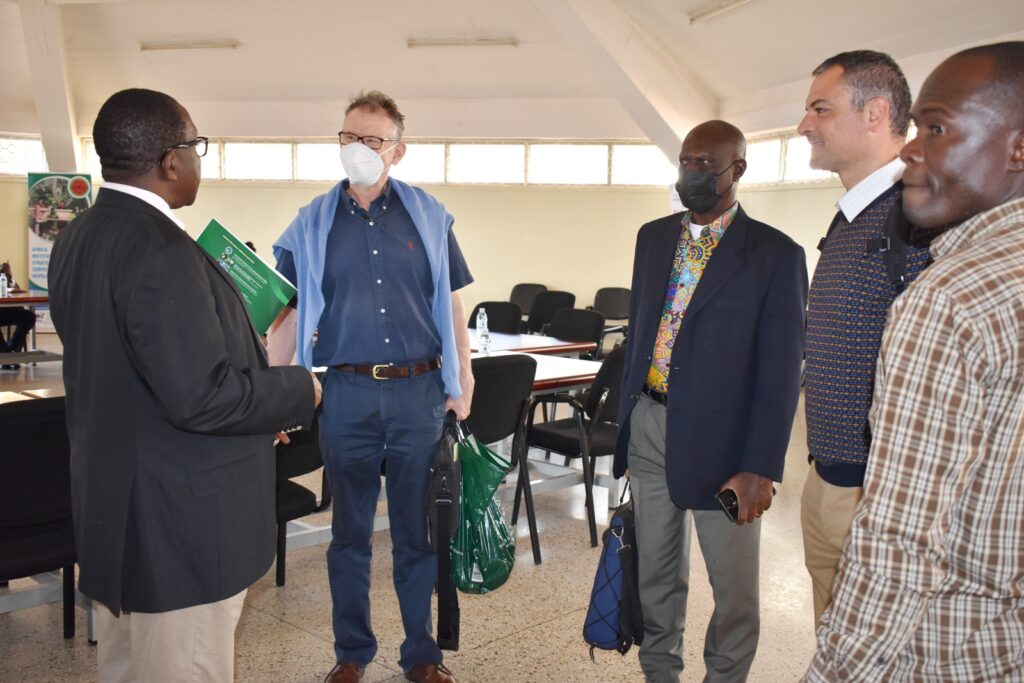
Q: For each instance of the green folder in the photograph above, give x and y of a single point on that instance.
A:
(264, 289)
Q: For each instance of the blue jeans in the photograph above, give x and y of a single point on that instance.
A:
(365, 422)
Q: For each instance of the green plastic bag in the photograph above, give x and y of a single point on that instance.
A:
(484, 547)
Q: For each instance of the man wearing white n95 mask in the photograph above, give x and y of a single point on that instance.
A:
(377, 269)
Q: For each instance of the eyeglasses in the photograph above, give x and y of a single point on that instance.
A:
(200, 143)
(371, 141)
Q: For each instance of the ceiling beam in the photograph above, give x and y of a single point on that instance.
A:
(44, 43)
(663, 99)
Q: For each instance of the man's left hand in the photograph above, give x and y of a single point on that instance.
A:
(753, 493)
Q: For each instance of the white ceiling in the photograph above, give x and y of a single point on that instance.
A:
(582, 69)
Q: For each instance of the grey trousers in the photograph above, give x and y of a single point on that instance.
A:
(663, 539)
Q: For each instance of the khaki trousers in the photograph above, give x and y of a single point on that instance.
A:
(190, 645)
(826, 513)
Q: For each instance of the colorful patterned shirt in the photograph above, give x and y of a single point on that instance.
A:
(931, 586)
(692, 255)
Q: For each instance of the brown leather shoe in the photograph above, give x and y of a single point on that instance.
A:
(430, 673)
(345, 672)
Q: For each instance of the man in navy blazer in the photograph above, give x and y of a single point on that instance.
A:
(711, 382)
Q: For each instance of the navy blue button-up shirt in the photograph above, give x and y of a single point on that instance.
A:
(377, 285)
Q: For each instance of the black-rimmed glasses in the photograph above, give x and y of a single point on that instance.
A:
(371, 141)
(200, 143)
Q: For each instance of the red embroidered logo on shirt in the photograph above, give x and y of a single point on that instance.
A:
(411, 247)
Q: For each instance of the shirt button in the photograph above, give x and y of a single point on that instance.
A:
(382, 310)
(371, 222)
(374, 251)
(378, 282)
(385, 207)
(352, 212)
(387, 341)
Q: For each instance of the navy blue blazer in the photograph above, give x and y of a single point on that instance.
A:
(734, 378)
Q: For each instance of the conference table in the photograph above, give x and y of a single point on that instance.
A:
(532, 343)
(554, 374)
(31, 354)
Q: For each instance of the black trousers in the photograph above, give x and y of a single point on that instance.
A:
(23, 320)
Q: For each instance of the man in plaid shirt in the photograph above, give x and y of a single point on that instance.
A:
(931, 586)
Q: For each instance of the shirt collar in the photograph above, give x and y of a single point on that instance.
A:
(385, 193)
(1007, 216)
(151, 198)
(717, 226)
(860, 196)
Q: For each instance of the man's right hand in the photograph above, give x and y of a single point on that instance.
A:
(318, 391)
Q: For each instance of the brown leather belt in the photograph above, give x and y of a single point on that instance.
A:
(383, 371)
(658, 396)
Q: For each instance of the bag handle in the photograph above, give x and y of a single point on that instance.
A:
(625, 490)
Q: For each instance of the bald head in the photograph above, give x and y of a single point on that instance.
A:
(968, 156)
(723, 134)
(1005, 82)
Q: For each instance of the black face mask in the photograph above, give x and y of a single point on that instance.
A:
(697, 189)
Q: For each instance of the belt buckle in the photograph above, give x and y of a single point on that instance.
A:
(375, 368)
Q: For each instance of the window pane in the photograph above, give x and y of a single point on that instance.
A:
(641, 165)
(258, 160)
(763, 161)
(318, 161)
(210, 168)
(19, 156)
(798, 160)
(422, 163)
(569, 164)
(486, 163)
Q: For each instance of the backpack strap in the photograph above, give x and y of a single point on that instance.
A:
(831, 226)
(894, 245)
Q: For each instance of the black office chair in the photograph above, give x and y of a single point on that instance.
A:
(544, 308)
(300, 456)
(36, 532)
(578, 325)
(524, 294)
(613, 304)
(501, 403)
(590, 433)
(502, 316)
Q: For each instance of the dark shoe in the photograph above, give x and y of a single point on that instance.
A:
(430, 673)
(10, 366)
(345, 672)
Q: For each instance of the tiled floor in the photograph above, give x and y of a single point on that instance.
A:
(529, 630)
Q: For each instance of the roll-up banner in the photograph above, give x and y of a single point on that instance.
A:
(54, 200)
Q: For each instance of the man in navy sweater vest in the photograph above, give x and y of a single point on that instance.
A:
(857, 115)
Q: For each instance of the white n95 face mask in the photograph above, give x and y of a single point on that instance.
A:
(362, 165)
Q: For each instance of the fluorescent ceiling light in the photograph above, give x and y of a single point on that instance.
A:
(465, 41)
(714, 9)
(214, 44)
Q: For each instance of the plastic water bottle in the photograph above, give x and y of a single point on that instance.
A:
(5, 292)
(483, 335)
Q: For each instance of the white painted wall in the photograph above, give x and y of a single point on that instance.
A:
(573, 238)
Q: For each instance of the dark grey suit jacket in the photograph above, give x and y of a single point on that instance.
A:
(734, 377)
(171, 410)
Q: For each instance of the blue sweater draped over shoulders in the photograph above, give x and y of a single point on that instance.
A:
(306, 239)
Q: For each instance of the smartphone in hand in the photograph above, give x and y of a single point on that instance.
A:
(730, 505)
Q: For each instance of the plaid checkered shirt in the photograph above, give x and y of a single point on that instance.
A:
(931, 583)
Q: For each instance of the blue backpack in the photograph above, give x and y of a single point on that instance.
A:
(614, 619)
